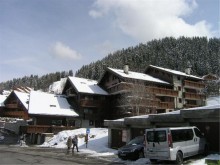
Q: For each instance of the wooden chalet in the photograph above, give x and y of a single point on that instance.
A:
(133, 93)
(16, 105)
(88, 99)
(49, 113)
(188, 88)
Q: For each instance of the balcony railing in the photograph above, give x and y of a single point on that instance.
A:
(91, 103)
(119, 88)
(44, 129)
(194, 85)
(163, 91)
(166, 105)
(155, 90)
(194, 96)
(19, 114)
(12, 106)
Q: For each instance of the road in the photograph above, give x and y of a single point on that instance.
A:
(34, 156)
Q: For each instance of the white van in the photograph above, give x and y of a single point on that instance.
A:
(174, 143)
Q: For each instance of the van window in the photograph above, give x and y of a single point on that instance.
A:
(198, 133)
(156, 136)
(182, 135)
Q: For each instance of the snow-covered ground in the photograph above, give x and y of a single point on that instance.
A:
(98, 145)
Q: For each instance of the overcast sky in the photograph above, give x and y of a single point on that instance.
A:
(44, 36)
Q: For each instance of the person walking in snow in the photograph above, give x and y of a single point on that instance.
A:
(75, 143)
(69, 142)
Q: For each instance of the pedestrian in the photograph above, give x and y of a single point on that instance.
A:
(86, 139)
(75, 143)
(69, 142)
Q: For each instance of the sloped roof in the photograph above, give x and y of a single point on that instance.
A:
(49, 104)
(23, 97)
(137, 75)
(173, 72)
(2, 99)
(83, 85)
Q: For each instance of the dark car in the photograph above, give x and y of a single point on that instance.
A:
(133, 150)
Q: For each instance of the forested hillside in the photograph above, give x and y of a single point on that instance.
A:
(202, 53)
(34, 81)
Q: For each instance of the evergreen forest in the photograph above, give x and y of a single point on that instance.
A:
(202, 53)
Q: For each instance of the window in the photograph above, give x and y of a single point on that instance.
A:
(56, 122)
(179, 88)
(198, 133)
(180, 100)
(156, 136)
(182, 135)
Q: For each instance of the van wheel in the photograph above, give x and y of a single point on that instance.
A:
(179, 158)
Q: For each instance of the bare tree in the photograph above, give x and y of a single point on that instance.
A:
(137, 99)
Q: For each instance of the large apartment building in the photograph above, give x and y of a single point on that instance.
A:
(189, 88)
(157, 90)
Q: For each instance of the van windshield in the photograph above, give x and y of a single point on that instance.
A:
(156, 136)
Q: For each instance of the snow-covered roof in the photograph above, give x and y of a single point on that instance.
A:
(137, 75)
(216, 106)
(57, 86)
(2, 99)
(23, 97)
(83, 85)
(175, 72)
(49, 104)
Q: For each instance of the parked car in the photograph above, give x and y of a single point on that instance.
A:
(133, 150)
(174, 143)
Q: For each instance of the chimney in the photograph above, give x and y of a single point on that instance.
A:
(188, 71)
(126, 69)
(189, 67)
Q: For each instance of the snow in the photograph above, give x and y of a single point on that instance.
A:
(2, 99)
(137, 75)
(175, 72)
(213, 100)
(98, 146)
(57, 86)
(49, 104)
(83, 85)
(23, 97)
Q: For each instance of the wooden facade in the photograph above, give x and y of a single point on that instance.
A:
(14, 107)
(181, 92)
(90, 107)
(189, 88)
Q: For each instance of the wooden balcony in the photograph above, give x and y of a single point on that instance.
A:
(163, 91)
(141, 103)
(193, 96)
(91, 103)
(166, 105)
(120, 87)
(44, 129)
(12, 106)
(19, 114)
(194, 85)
